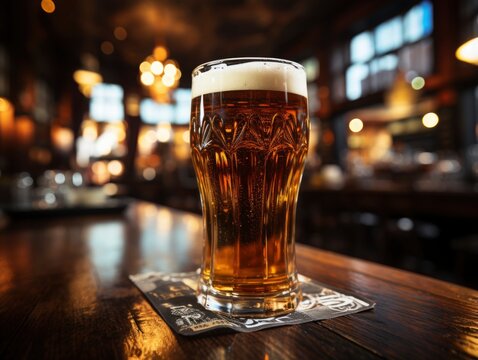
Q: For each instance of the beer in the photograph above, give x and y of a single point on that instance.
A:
(249, 142)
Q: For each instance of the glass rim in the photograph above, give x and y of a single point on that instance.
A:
(247, 59)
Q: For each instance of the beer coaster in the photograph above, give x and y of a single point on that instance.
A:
(173, 296)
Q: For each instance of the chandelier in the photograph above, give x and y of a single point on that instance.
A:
(159, 74)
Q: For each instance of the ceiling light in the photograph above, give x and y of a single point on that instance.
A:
(144, 66)
(157, 67)
(160, 53)
(147, 78)
(159, 74)
(168, 81)
(468, 52)
(170, 69)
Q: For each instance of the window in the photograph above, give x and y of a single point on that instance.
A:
(418, 22)
(361, 47)
(388, 36)
(183, 106)
(400, 43)
(356, 74)
(107, 103)
(152, 112)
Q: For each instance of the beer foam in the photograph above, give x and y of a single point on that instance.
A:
(259, 74)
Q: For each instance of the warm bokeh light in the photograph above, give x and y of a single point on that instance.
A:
(48, 6)
(25, 130)
(186, 136)
(159, 92)
(100, 171)
(468, 52)
(430, 120)
(150, 136)
(107, 47)
(170, 69)
(163, 133)
(160, 53)
(98, 166)
(180, 144)
(85, 143)
(168, 80)
(149, 173)
(121, 132)
(5, 105)
(132, 105)
(62, 138)
(157, 67)
(418, 83)
(163, 75)
(7, 124)
(147, 139)
(119, 129)
(356, 125)
(147, 78)
(86, 77)
(115, 167)
(109, 142)
(86, 80)
(93, 142)
(110, 189)
(426, 158)
(145, 66)
(120, 33)
(104, 145)
(89, 129)
(354, 141)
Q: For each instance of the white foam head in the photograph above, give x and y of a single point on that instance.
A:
(256, 74)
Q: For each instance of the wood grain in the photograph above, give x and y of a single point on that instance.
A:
(64, 293)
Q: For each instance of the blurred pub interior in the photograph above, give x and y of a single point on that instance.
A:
(95, 101)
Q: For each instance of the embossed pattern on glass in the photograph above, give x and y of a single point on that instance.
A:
(249, 149)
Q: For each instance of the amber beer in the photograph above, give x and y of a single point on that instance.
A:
(249, 136)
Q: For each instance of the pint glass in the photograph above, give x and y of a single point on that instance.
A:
(249, 136)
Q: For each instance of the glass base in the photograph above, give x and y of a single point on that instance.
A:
(249, 306)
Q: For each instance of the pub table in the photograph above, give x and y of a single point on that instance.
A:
(65, 293)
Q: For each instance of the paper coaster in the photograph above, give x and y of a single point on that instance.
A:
(173, 296)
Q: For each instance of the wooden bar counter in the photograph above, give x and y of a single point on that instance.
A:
(65, 293)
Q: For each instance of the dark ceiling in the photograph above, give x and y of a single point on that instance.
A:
(198, 31)
(194, 31)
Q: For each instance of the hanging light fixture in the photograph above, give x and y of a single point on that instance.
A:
(159, 74)
(468, 52)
